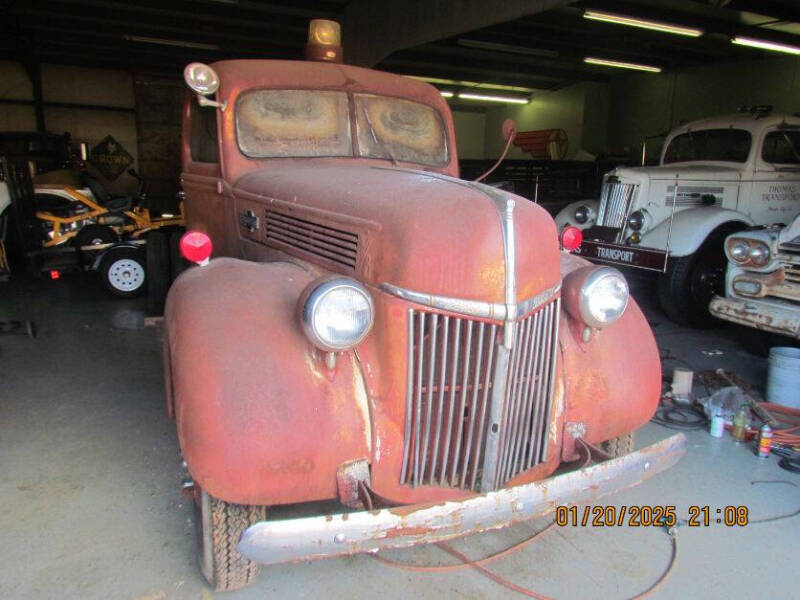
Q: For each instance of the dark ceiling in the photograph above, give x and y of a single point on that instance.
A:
(542, 51)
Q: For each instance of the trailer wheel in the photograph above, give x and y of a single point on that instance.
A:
(220, 525)
(619, 446)
(122, 271)
(686, 289)
(157, 272)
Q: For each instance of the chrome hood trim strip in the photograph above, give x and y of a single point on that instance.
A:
(474, 308)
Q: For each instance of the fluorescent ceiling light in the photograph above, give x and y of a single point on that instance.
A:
(621, 65)
(512, 49)
(473, 84)
(165, 42)
(743, 41)
(446, 94)
(492, 98)
(596, 15)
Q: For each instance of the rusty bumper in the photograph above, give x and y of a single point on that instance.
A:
(270, 542)
(761, 314)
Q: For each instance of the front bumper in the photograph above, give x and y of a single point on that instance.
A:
(761, 314)
(650, 259)
(270, 542)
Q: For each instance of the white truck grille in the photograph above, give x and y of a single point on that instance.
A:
(615, 204)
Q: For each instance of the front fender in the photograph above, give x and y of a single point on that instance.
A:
(691, 227)
(612, 381)
(260, 419)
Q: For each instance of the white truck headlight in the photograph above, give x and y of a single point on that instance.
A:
(596, 296)
(738, 250)
(758, 254)
(582, 214)
(336, 313)
(636, 220)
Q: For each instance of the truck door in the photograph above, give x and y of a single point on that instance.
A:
(776, 180)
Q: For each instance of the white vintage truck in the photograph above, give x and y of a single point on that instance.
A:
(762, 287)
(715, 177)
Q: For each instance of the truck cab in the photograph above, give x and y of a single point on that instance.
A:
(367, 331)
(715, 176)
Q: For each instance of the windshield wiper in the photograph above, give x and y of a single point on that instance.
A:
(377, 141)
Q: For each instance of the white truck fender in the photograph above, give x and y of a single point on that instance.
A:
(566, 216)
(691, 227)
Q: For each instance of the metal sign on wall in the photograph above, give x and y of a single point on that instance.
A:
(110, 158)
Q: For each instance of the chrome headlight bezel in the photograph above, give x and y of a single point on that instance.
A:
(748, 252)
(589, 293)
(313, 299)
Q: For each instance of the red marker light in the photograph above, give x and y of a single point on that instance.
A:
(571, 238)
(196, 247)
(54, 274)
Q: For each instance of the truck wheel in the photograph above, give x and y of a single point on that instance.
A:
(157, 272)
(686, 289)
(221, 524)
(122, 271)
(619, 446)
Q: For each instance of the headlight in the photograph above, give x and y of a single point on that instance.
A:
(636, 220)
(603, 297)
(595, 296)
(336, 313)
(759, 254)
(582, 214)
(739, 250)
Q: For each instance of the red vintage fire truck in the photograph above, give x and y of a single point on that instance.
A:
(374, 331)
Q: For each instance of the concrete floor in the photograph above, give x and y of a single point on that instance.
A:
(90, 485)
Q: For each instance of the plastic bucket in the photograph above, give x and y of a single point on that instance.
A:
(783, 377)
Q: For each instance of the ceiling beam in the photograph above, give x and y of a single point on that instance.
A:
(374, 30)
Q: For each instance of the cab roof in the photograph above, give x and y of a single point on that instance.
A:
(752, 122)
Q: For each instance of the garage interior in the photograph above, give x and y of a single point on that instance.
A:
(96, 501)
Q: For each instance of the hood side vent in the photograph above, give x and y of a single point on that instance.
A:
(336, 245)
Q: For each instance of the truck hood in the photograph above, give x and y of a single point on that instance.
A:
(418, 230)
(680, 171)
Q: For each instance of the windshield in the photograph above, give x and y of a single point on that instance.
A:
(726, 145)
(399, 130)
(782, 147)
(275, 123)
(308, 123)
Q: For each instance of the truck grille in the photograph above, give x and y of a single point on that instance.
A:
(452, 370)
(615, 205)
(332, 244)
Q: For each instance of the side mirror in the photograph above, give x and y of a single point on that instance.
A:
(203, 81)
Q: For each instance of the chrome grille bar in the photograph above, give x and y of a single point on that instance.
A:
(616, 201)
(459, 426)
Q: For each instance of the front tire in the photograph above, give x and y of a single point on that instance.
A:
(686, 289)
(221, 524)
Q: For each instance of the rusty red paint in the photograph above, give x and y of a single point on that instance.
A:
(260, 418)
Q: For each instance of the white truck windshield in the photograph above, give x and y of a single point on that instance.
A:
(726, 145)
